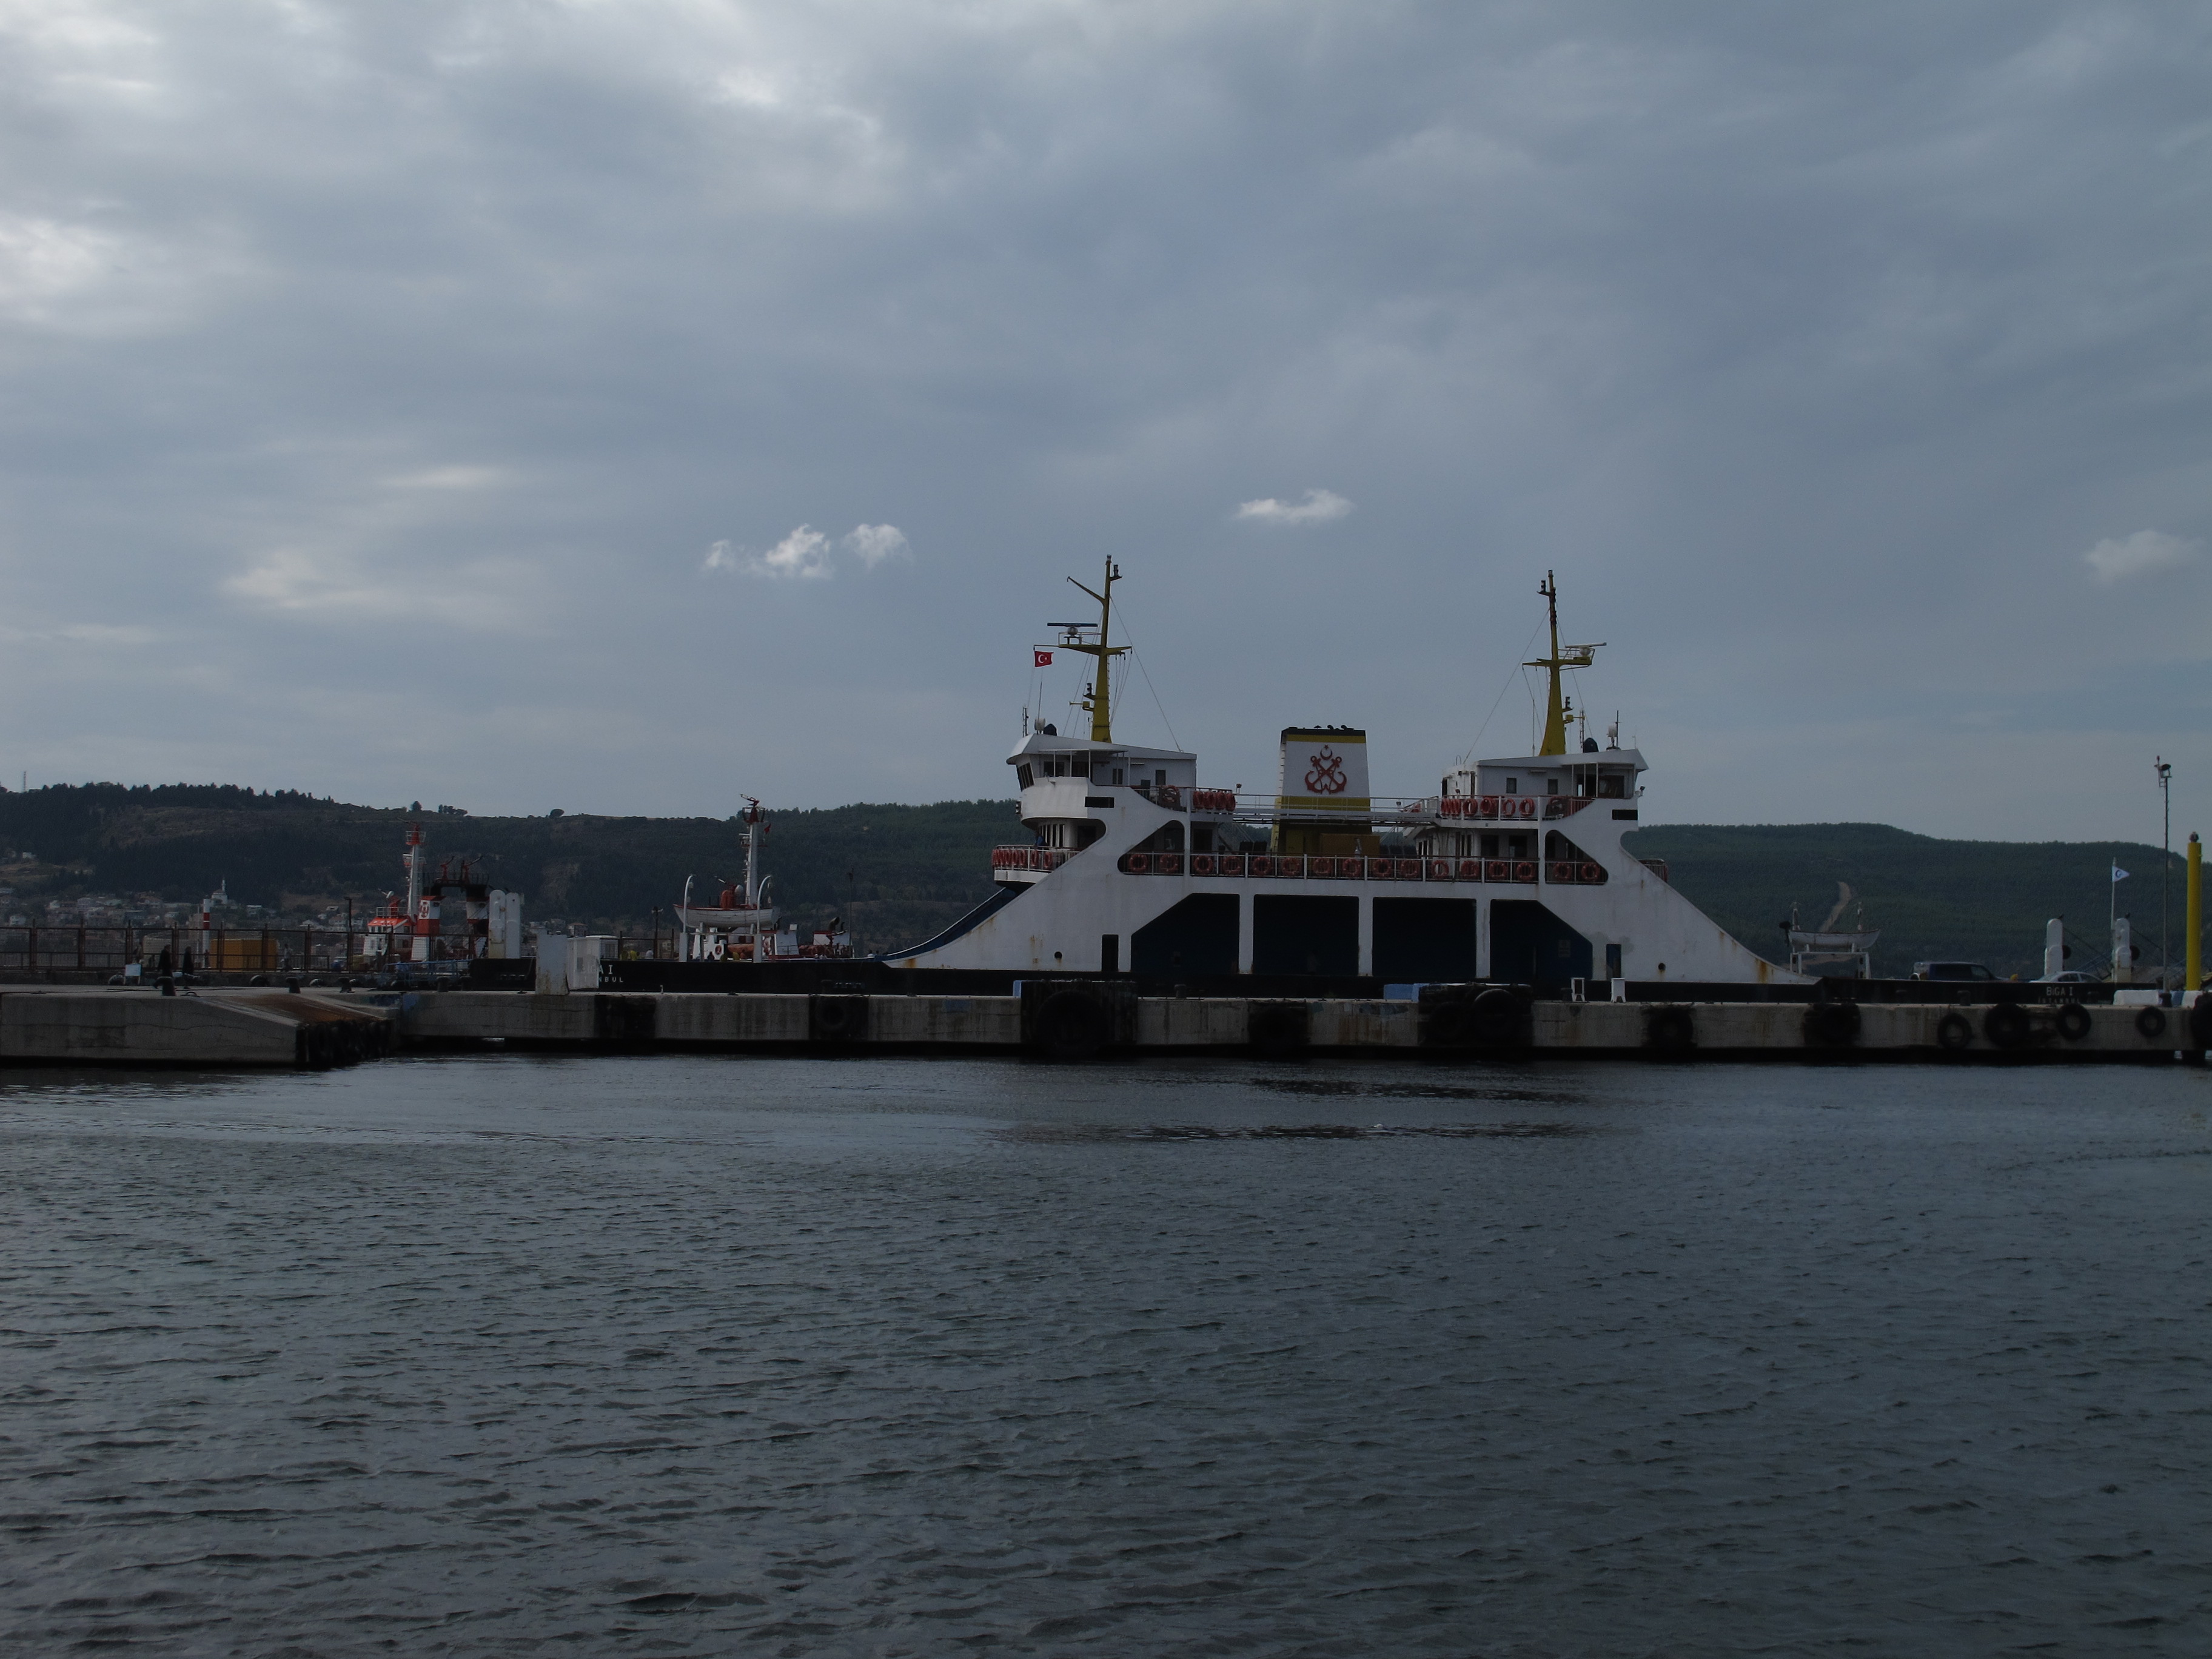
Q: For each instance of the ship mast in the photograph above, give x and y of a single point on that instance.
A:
(1573, 656)
(753, 853)
(1100, 699)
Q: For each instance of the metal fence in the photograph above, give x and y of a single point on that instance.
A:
(92, 948)
(89, 947)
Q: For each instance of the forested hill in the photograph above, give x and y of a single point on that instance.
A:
(899, 872)
(892, 869)
(1979, 901)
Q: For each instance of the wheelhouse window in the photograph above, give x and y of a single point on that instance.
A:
(1513, 786)
(1024, 774)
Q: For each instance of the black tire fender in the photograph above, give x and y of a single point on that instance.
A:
(2151, 1023)
(1496, 1019)
(2006, 1025)
(1671, 1028)
(2074, 1022)
(1277, 1028)
(1072, 1025)
(1831, 1024)
(2200, 1023)
(1954, 1032)
(837, 1018)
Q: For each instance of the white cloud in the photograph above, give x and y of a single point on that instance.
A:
(295, 579)
(2138, 554)
(1319, 506)
(874, 543)
(803, 553)
(448, 477)
(806, 551)
(41, 260)
(481, 596)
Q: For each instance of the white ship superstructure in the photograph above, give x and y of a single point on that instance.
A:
(741, 926)
(1513, 871)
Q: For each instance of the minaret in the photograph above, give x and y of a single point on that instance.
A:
(1573, 656)
(1100, 701)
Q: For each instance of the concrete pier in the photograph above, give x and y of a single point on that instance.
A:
(1068, 1019)
(67, 1026)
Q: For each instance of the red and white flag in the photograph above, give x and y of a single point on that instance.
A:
(1044, 660)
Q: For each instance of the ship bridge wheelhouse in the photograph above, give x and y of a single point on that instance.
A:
(1592, 774)
(1072, 787)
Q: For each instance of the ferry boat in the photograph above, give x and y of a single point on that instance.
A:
(1512, 872)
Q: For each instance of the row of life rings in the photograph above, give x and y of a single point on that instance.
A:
(1491, 806)
(1321, 868)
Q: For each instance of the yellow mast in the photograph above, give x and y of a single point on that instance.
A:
(1574, 656)
(1100, 699)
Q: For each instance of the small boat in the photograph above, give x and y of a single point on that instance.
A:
(742, 926)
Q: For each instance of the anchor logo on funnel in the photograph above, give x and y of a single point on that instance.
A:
(1327, 777)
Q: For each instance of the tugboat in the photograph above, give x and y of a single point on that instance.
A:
(742, 928)
(1512, 872)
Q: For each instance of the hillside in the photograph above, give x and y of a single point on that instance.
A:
(897, 872)
(1982, 901)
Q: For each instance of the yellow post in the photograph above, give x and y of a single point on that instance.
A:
(2192, 917)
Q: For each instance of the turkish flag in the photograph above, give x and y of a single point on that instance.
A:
(1044, 660)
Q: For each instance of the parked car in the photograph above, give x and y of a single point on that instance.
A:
(1963, 970)
(2070, 977)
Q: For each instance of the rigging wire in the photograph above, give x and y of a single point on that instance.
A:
(1129, 635)
(1500, 698)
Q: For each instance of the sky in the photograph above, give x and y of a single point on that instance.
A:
(625, 407)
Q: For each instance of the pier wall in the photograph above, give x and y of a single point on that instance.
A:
(135, 1028)
(1070, 1020)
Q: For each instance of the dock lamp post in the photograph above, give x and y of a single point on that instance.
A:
(2164, 868)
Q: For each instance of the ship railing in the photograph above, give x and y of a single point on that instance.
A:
(1308, 866)
(1179, 797)
(1040, 859)
(1256, 807)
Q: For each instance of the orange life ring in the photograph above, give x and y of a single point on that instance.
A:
(1490, 806)
(1590, 872)
(1231, 863)
(1560, 872)
(1259, 865)
(1525, 870)
(1440, 869)
(1470, 869)
(1496, 870)
(1293, 865)
(1171, 864)
(1528, 806)
(1138, 864)
(1202, 864)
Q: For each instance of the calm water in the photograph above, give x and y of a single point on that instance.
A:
(677, 1356)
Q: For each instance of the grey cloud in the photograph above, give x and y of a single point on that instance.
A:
(1787, 337)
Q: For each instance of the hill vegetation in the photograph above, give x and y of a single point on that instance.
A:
(1975, 901)
(897, 872)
